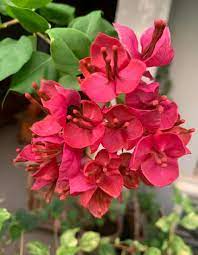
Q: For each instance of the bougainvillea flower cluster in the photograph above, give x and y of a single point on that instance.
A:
(90, 146)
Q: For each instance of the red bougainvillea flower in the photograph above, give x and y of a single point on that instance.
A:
(56, 100)
(84, 125)
(155, 42)
(155, 111)
(121, 126)
(50, 164)
(109, 72)
(156, 156)
(130, 178)
(105, 181)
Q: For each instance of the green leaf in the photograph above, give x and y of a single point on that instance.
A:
(183, 200)
(4, 216)
(106, 248)
(30, 20)
(92, 24)
(69, 81)
(28, 221)
(33, 40)
(178, 247)
(68, 238)
(165, 222)
(190, 221)
(32, 71)
(89, 241)
(31, 4)
(13, 55)
(68, 45)
(60, 14)
(153, 251)
(139, 246)
(50, 72)
(3, 8)
(15, 230)
(37, 248)
(67, 250)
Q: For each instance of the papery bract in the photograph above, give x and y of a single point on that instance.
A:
(109, 71)
(155, 42)
(121, 126)
(156, 156)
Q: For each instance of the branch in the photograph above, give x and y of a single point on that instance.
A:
(43, 37)
(8, 23)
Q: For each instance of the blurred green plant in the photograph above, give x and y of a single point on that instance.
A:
(76, 239)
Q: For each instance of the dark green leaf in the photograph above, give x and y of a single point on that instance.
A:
(60, 14)
(32, 71)
(31, 4)
(15, 230)
(68, 45)
(89, 241)
(28, 221)
(69, 81)
(13, 55)
(29, 19)
(37, 248)
(92, 24)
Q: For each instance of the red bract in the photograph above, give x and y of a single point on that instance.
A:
(84, 125)
(130, 178)
(50, 164)
(156, 156)
(154, 111)
(155, 42)
(109, 72)
(121, 127)
(104, 180)
(61, 154)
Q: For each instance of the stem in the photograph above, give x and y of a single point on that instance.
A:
(43, 37)
(136, 216)
(22, 244)
(8, 23)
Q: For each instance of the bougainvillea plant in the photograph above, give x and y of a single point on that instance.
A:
(93, 143)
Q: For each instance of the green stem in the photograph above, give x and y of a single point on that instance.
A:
(42, 36)
(22, 244)
(8, 23)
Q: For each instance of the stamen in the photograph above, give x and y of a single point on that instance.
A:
(69, 117)
(115, 59)
(34, 101)
(163, 98)
(164, 165)
(160, 108)
(155, 102)
(126, 124)
(108, 68)
(157, 33)
(115, 120)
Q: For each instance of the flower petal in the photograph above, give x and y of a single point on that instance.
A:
(46, 127)
(130, 76)
(112, 185)
(128, 39)
(98, 88)
(163, 52)
(103, 40)
(160, 176)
